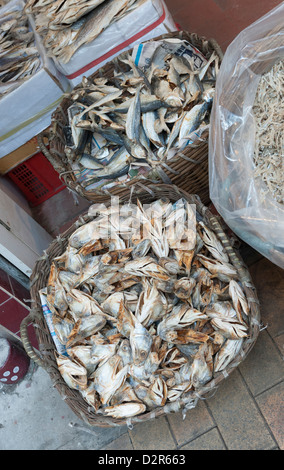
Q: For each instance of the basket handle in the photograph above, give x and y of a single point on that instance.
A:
(26, 342)
(51, 158)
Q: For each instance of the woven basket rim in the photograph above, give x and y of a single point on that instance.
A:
(47, 347)
(58, 157)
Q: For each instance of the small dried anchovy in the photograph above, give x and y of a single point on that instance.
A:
(268, 112)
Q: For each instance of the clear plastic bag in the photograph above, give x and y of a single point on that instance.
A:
(234, 190)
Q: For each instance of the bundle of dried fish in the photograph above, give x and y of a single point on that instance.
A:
(132, 123)
(19, 56)
(147, 305)
(66, 25)
(268, 112)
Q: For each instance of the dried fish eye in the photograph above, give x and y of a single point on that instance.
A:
(143, 354)
(124, 347)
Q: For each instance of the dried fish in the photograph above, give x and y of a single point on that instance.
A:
(268, 112)
(20, 59)
(142, 330)
(143, 115)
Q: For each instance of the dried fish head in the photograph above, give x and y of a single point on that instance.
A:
(239, 301)
(109, 377)
(155, 395)
(183, 287)
(91, 396)
(74, 374)
(140, 342)
(147, 369)
(85, 327)
(202, 366)
(125, 410)
(181, 316)
(224, 271)
(124, 351)
(213, 244)
(151, 305)
(125, 320)
(230, 328)
(124, 394)
(146, 266)
(170, 265)
(227, 353)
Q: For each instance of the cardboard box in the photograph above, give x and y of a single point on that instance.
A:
(18, 156)
(26, 111)
(148, 20)
(13, 159)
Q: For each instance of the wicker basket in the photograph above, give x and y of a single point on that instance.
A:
(188, 170)
(46, 357)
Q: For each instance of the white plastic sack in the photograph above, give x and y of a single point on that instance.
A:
(234, 190)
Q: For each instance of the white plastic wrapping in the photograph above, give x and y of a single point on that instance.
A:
(234, 190)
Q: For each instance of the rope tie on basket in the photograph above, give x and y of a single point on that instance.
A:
(45, 258)
(81, 221)
(34, 280)
(175, 172)
(60, 241)
(129, 424)
(189, 406)
(172, 407)
(188, 159)
(254, 321)
(145, 188)
(79, 190)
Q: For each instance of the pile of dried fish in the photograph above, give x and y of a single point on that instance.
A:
(19, 56)
(66, 25)
(148, 306)
(268, 112)
(132, 123)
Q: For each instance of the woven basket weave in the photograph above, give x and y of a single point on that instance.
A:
(188, 170)
(46, 357)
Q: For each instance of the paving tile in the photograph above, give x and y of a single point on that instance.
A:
(197, 421)
(4, 281)
(279, 341)
(58, 210)
(264, 366)
(269, 282)
(121, 443)
(211, 440)
(19, 291)
(12, 314)
(238, 418)
(271, 404)
(153, 434)
(3, 296)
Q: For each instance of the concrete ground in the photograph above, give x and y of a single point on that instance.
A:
(245, 413)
